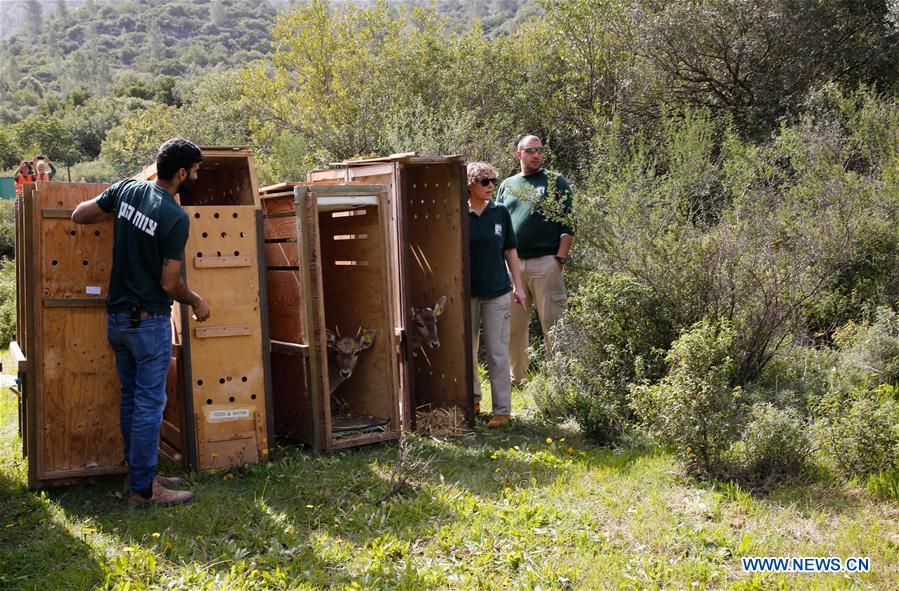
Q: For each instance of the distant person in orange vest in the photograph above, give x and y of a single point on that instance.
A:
(24, 174)
(42, 173)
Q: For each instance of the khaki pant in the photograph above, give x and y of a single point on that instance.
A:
(545, 288)
(492, 316)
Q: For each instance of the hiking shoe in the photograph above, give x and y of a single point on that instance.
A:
(161, 497)
(166, 481)
(499, 421)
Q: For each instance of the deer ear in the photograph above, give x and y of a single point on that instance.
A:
(332, 339)
(368, 338)
(438, 307)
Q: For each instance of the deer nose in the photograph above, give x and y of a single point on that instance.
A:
(435, 344)
(345, 373)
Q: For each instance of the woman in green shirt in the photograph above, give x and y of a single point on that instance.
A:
(493, 255)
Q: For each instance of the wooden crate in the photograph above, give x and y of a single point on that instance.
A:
(330, 268)
(69, 384)
(428, 232)
(219, 410)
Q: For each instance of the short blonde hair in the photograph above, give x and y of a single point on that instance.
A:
(480, 170)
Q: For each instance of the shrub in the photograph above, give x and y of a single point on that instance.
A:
(695, 408)
(775, 443)
(7, 228)
(7, 301)
(859, 431)
(884, 485)
(613, 335)
(869, 352)
(796, 377)
(95, 171)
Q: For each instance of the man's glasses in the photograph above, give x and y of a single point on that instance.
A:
(537, 150)
(485, 182)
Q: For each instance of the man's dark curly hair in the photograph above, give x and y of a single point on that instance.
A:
(174, 155)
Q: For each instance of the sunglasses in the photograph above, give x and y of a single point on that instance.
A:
(485, 182)
(538, 150)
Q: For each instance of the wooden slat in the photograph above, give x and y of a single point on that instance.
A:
(230, 330)
(57, 213)
(285, 305)
(280, 227)
(74, 302)
(290, 348)
(281, 254)
(207, 262)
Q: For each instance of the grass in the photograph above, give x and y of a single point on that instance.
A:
(530, 507)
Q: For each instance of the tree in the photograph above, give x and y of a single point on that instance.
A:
(40, 134)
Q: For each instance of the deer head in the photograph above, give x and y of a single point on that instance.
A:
(424, 324)
(346, 350)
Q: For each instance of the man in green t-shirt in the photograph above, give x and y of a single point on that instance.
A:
(149, 233)
(539, 202)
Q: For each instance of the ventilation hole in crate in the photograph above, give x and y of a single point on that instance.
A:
(199, 382)
(252, 397)
(234, 215)
(59, 204)
(237, 253)
(216, 215)
(72, 232)
(84, 262)
(54, 262)
(205, 235)
(199, 255)
(230, 398)
(224, 234)
(96, 232)
(243, 379)
(197, 215)
(209, 401)
(221, 380)
(242, 235)
(218, 253)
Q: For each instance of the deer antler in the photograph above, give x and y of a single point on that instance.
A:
(359, 332)
(337, 328)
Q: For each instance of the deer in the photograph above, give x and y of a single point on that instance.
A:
(424, 325)
(345, 354)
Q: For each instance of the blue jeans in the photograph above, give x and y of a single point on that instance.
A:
(142, 357)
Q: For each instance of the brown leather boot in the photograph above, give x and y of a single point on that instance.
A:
(161, 497)
(499, 421)
(166, 481)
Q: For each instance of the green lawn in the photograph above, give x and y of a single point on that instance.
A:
(531, 507)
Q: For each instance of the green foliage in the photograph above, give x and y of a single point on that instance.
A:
(797, 376)
(92, 47)
(775, 443)
(869, 351)
(45, 134)
(7, 228)
(695, 408)
(859, 430)
(10, 153)
(614, 334)
(7, 301)
(95, 171)
(884, 485)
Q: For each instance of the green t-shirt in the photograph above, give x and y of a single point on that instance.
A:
(540, 206)
(489, 235)
(149, 228)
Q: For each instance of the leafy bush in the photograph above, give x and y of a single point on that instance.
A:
(884, 485)
(775, 443)
(859, 431)
(695, 408)
(7, 228)
(7, 301)
(96, 171)
(869, 351)
(612, 336)
(796, 377)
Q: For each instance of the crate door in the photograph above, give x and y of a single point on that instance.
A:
(72, 384)
(226, 386)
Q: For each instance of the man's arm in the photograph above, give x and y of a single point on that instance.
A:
(173, 283)
(90, 212)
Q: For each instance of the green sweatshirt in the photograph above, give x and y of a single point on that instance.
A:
(540, 206)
